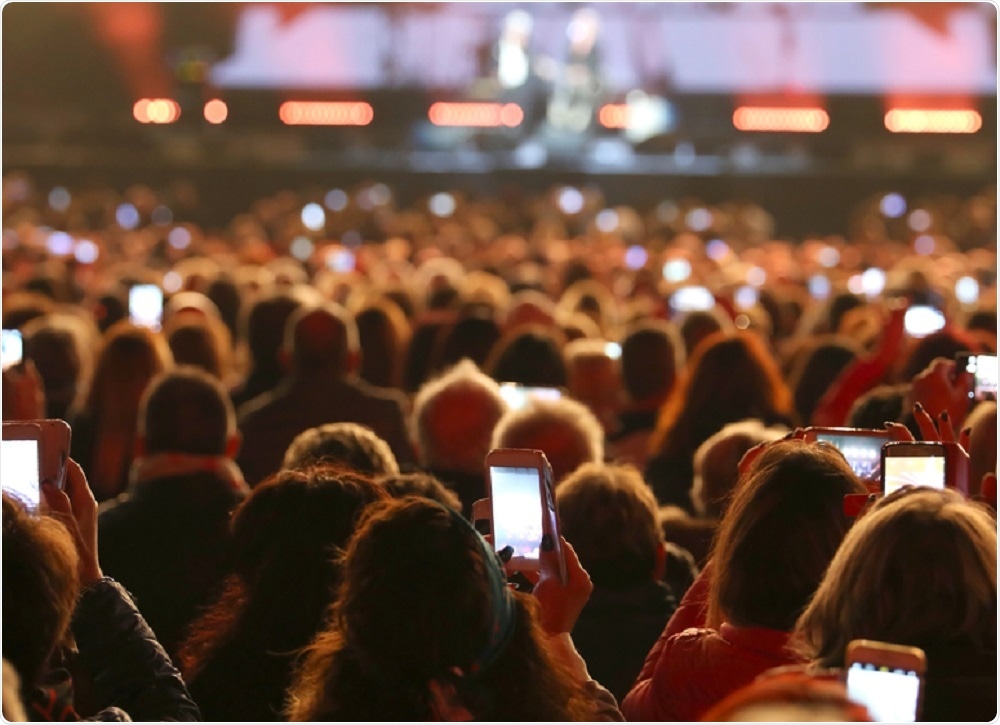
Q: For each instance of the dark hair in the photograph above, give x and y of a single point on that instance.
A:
(946, 344)
(817, 367)
(383, 333)
(321, 339)
(423, 485)
(697, 326)
(471, 336)
(880, 404)
(408, 614)
(265, 328)
(187, 410)
(225, 294)
(839, 306)
(650, 359)
(781, 530)
(529, 355)
(197, 341)
(286, 540)
(40, 584)
(348, 444)
(53, 346)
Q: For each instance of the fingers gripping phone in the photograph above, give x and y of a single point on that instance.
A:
(935, 465)
(523, 510)
(862, 447)
(32, 452)
(887, 679)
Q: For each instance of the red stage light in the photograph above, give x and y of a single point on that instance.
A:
(477, 115)
(326, 113)
(926, 120)
(794, 120)
(156, 110)
(216, 111)
(613, 115)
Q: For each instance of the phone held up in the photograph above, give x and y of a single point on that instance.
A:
(888, 679)
(930, 464)
(523, 510)
(32, 452)
(984, 371)
(862, 447)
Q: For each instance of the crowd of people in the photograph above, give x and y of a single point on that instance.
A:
(270, 510)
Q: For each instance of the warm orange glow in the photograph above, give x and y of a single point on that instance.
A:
(797, 120)
(326, 113)
(216, 111)
(480, 115)
(924, 120)
(613, 115)
(156, 110)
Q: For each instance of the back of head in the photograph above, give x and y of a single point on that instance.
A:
(453, 419)
(529, 355)
(880, 404)
(322, 340)
(188, 411)
(56, 347)
(202, 342)
(423, 485)
(698, 325)
(788, 697)
(265, 328)
(816, 371)
(609, 515)
(383, 333)
(129, 359)
(472, 336)
(41, 584)
(651, 356)
(566, 431)
(781, 530)
(946, 344)
(982, 422)
(716, 463)
(348, 444)
(919, 569)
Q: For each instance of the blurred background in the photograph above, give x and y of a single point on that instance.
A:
(811, 110)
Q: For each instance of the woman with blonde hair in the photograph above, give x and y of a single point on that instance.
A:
(920, 569)
(104, 427)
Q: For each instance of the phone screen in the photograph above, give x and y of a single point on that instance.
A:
(19, 471)
(692, 299)
(863, 453)
(984, 368)
(518, 396)
(11, 348)
(517, 510)
(145, 305)
(891, 694)
(913, 471)
(923, 320)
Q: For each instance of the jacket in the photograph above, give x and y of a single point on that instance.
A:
(691, 671)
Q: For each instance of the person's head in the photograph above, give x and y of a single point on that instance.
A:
(716, 463)
(286, 541)
(592, 299)
(652, 354)
(565, 430)
(322, 340)
(730, 378)
(919, 569)
(593, 378)
(423, 485)
(453, 419)
(56, 345)
(383, 333)
(41, 586)
(201, 341)
(816, 369)
(783, 526)
(698, 325)
(348, 444)
(529, 355)
(129, 358)
(609, 515)
(946, 344)
(186, 410)
(472, 336)
(982, 424)
(225, 294)
(264, 329)
(880, 404)
(412, 621)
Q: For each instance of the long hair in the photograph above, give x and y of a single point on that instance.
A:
(920, 569)
(730, 377)
(286, 540)
(781, 530)
(414, 608)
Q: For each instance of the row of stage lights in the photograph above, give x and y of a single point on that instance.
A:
(611, 116)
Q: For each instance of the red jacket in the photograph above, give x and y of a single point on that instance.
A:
(689, 672)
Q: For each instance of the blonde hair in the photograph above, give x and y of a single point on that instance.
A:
(920, 569)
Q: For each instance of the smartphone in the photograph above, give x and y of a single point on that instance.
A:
(923, 320)
(20, 463)
(519, 396)
(341, 260)
(914, 464)
(888, 679)
(145, 305)
(862, 447)
(523, 509)
(692, 299)
(984, 370)
(11, 348)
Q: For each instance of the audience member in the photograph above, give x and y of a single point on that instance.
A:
(59, 349)
(384, 335)
(264, 332)
(321, 347)
(528, 355)
(593, 378)
(346, 444)
(166, 537)
(423, 485)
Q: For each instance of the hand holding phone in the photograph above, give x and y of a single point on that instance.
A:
(33, 452)
(562, 602)
(887, 679)
(862, 447)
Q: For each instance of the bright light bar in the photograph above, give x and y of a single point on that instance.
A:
(156, 110)
(479, 115)
(613, 115)
(926, 120)
(326, 113)
(795, 120)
